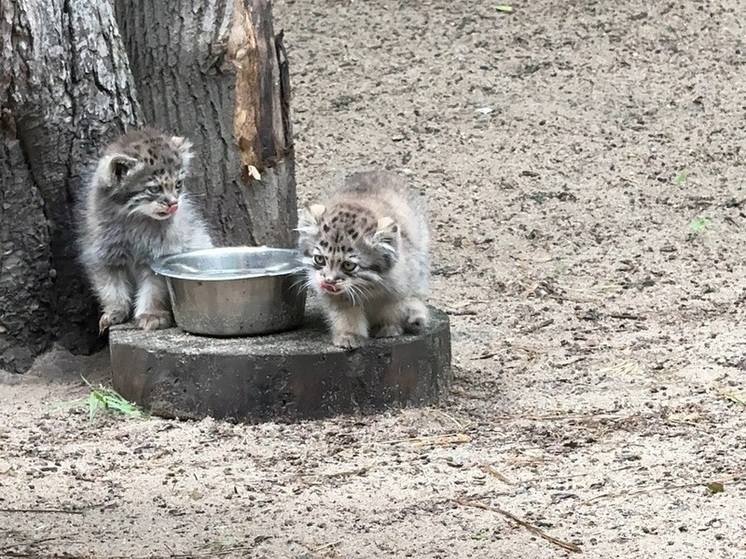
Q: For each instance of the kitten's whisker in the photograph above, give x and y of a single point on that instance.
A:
(304, 281)
(359, 293)
(356, 300)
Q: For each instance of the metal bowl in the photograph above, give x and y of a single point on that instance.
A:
(235, 291)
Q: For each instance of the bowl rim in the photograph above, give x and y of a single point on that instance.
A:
(160, 266)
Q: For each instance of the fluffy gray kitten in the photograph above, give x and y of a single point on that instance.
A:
(366, 255)
(134, 211)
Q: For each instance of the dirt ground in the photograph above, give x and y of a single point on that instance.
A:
(583, 163)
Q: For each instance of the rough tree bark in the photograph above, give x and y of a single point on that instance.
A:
(214, 71)
(65, 89)
(208, 69)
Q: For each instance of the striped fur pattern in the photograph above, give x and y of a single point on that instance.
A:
(134, 211)
(366, 253)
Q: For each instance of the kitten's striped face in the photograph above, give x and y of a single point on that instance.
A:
(347, 252)
(158, 196)
(147, 176)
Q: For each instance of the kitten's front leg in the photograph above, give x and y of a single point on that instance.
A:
(115, 294)
(388, 319)
(152, 308)
(417, 315)
(349, 326)
(397, 317)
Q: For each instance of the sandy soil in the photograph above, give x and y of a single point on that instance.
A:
(584, 167)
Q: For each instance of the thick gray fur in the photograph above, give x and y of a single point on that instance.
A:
(125, 227)
(366, 253)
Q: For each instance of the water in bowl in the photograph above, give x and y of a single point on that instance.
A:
(218, 273)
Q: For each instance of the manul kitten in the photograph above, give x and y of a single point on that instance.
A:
(134, 211)
(366, 255)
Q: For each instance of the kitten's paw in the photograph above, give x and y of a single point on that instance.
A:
(111, 318)
(388, 331)
(346, 340)
(418, 317)
(154, 320)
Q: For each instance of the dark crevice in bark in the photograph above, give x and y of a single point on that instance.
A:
(284, 67)
(68, 93)
(69, 87)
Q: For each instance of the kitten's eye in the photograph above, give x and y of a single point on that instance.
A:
(154, 189)
(349, 266)
(179, 185)
(319, 260)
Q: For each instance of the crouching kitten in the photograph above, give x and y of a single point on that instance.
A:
(135, 210)
(366, 255)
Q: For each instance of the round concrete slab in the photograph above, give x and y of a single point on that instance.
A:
(292, 375)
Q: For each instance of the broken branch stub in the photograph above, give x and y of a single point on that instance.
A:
(261, 123)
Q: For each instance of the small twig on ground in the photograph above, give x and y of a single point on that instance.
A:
(527, 525)
(345, 473)
(733, 397)
(539, 326)
(625, 316)
(490, 469)
(734, 478)
(732, 221)
(564, 416)
(304, 478)
(434, 440)
(327, 546)
(459, 425)
(34, 511)
(198, 555)
(568, 363)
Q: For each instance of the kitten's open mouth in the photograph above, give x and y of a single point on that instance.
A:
(329, 287)
(171, 210)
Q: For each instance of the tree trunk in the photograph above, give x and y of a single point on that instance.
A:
(206, 69)
(65, 90)
(214, 71)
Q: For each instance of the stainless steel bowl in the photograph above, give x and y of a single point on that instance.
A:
(235, 291)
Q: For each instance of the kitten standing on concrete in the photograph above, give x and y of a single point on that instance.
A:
(366, 254)
(134, 211)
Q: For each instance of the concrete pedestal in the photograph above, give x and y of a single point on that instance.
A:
(291, 375)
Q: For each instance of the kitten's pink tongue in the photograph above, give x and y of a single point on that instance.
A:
(328, 287)
(172, 209)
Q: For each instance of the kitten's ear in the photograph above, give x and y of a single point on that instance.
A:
(184, 149)
(316, 211)
(113, 168)
(387, 232)
(308, 221)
